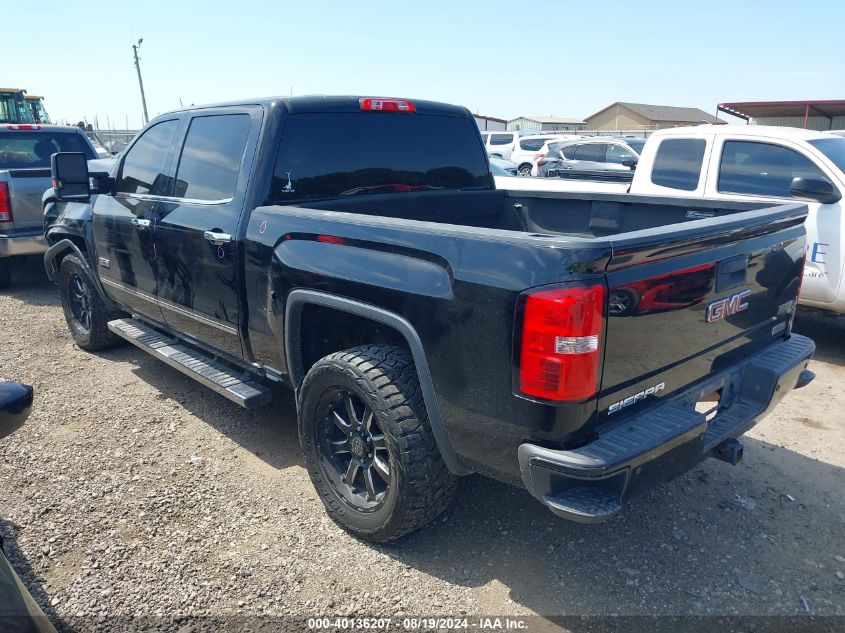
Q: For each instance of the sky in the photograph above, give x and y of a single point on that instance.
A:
(502, 59)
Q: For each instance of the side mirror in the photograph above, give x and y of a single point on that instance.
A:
(15, 402)
(630, 163)
(70, 176)
(817, 189)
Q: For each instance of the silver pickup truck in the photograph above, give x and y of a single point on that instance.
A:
(25, 151)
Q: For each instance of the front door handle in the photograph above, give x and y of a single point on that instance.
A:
(218, 239)
(140, 223)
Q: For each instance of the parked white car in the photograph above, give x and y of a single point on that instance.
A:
(527, 149)
(751, 162)
(520, 147)
(499, 143)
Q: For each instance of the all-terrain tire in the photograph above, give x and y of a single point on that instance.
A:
(94, 334)
(384, 379)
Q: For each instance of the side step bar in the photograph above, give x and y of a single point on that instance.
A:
(228, 382)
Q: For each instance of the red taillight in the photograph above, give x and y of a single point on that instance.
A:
(540, 163)
(23, 126)
(5, 203)
(561, 331)
(387, 105)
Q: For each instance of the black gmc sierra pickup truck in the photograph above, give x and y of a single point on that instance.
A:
(356, 250)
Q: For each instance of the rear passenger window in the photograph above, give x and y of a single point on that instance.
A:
(532, 144)
(501, 139)
(591, 151)
(143, 166)
(211, 157)
(762, 169)
(678, 163)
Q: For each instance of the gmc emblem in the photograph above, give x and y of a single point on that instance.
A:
(722, 308)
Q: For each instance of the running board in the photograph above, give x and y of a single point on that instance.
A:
(222, 378)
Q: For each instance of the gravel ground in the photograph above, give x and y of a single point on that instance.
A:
(132, 491)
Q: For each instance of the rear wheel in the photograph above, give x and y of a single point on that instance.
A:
(5, 272)
(524, 169)
(368, 445)
(86, 313)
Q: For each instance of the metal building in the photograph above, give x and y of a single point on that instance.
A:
(812, 115)
(546, 124)
(489, 123)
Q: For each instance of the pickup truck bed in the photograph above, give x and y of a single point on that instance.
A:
(429, 323)
(540, 237)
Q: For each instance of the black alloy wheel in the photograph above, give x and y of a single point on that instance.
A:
(79, 302)
(353, 450)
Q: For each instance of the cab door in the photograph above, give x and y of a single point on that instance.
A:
(763, 169)
(124, 223)
(197, 226)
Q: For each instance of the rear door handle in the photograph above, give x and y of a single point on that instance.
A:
(218, 239)
(140, 223)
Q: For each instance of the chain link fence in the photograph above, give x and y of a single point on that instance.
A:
(115, 140)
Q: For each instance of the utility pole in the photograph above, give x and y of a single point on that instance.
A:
(135, 48)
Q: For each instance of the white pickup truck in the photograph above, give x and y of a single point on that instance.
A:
(739, 162)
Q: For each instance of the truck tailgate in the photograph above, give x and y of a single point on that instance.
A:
(25, 186)
(690, 299)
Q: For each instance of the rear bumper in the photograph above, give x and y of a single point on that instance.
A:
(28, 243)
(587, 484)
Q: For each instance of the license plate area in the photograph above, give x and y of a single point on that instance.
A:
(708, 404)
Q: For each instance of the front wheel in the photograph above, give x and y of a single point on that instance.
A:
(368, 444)
(86, 313)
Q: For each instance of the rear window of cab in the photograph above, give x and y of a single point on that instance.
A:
(33, 149)
(325, 155)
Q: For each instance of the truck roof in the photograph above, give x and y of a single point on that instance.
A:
(330, 103)
(771, 131)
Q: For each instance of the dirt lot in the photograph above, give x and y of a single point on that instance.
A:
(132, 491)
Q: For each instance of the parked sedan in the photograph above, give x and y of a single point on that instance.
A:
(548, 146)
(590, 154)
(501, 167)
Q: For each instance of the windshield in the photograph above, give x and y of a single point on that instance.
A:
(636, 144)
(21, 150)
(834, 149)
(13, 108)
(324, 155)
